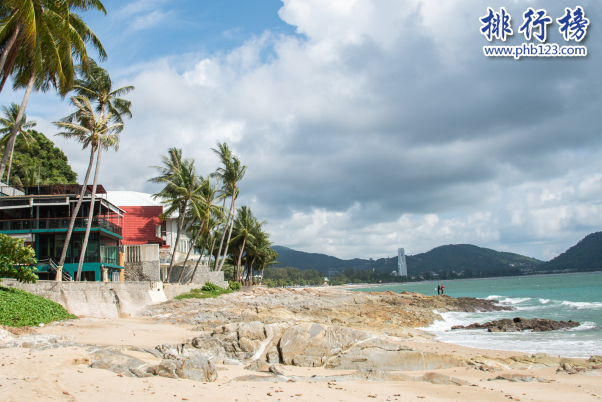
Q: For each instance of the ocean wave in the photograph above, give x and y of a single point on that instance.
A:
(544, 301)
(514, 300)
(494, 297)
(585, 326)
(583, 305)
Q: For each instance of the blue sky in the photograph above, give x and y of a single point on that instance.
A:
(141, 31)
(366, 125)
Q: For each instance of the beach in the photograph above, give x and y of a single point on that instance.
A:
(62, 371)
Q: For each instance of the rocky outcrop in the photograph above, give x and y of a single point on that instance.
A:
(118, 362)
(519, 324)
(381, 313)
(519, 378)
(311, 345)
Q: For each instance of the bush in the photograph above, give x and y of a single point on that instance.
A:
(211, 287)
(234, 286)
(19, 308)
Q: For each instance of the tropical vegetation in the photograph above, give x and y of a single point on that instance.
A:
(16, 261)
(235, 241)
(19, 308)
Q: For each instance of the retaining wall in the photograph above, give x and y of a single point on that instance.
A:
(103, 299)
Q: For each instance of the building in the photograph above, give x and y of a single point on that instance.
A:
(142, 227)
(402, 267)
(41, 214)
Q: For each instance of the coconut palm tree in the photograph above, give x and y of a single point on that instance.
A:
(181, 186)
(231, 173)
(97, 131)
(246, 226)
(200, 209)
(8, 123)
(95, 83)
(49, 37)
(225, 156)
(207, 238)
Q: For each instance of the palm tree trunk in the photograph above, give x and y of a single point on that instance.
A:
(252, 264)
(189, 250)
(197, 264)
(221, 243)
(261, 279)
(10, 164)
(175, 246)
(7, 48)
(15, 130)
(211, 251)
(242, 249)
(90, 216)
(232, 208)
(76, 210)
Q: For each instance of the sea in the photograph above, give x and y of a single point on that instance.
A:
(564, 297)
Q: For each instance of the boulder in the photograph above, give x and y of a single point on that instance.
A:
(117, 362)
(195, 368)
(519, 324)
(311, 345)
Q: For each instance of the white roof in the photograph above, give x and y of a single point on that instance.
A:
(132, 199)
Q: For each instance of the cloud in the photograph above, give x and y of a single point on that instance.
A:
(149, 20)
(381, 124)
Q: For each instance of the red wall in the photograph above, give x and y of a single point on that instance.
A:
(139, 224)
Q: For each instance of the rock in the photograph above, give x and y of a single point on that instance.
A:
(117, 362)
(519, 378)
(276, 370)
(273, 357)
(167, 368)
(260, 366)
(195, 368)
(311, 345)
(6, 337)
(519, 324)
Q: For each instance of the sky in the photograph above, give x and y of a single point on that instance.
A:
(365, 125)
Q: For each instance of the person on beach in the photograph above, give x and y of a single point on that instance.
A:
(442, 289)
(438, 290)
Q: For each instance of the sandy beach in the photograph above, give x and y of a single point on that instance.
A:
(64, 373)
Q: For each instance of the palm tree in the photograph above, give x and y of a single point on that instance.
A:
(200, 209)
(231, 173)
(94, 130)
(95, 83)
(8, 123)
(246, 227)
(225, 156)
(266, 258)
(49, 36)
(181, 186)
(255, 248)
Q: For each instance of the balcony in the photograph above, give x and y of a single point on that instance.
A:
(55, 189)
(58, 223)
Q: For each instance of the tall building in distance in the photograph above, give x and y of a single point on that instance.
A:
(402, 267)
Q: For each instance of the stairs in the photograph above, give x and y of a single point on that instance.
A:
(52, 267)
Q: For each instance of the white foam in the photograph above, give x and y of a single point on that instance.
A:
(494, 297)
(582, 305)
(515, 300)
(544, 301)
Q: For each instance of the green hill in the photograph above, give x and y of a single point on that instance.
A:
(584, 256)
(458, 257)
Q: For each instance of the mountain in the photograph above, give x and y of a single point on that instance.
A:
(584, 256)
(458, 257)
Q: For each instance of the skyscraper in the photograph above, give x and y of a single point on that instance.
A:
(402, 268)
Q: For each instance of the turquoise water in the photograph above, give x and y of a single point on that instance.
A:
(576, 297)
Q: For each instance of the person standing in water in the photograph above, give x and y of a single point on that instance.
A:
(438, 290)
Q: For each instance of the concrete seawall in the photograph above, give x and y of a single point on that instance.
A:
(103, 299)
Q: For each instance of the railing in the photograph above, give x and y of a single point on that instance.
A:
(58, 223)
(142, 253)
(52, 267)
(55, 189)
